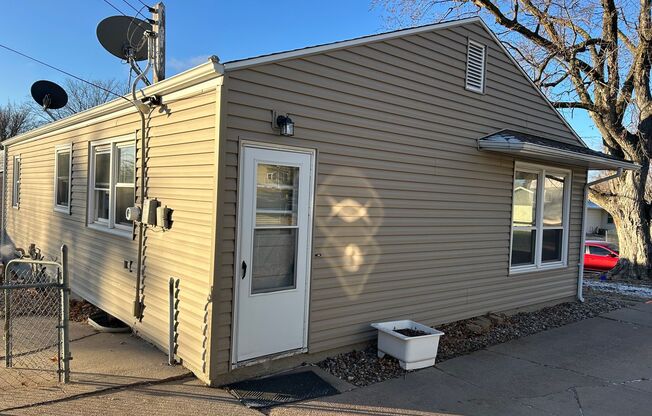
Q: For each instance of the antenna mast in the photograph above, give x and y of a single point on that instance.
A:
(158, 16)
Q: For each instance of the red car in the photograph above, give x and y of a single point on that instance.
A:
(600, 255)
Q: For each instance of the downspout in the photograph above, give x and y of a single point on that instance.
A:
(580, 277)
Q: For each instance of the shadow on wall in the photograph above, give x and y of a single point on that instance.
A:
(346, 230)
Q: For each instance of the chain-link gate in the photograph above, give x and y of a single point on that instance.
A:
(34, 308)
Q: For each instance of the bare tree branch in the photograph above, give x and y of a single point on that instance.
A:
(14, 120)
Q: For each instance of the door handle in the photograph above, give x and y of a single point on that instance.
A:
(244, 269)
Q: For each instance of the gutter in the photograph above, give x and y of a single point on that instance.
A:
(580, 276)
(565, 156)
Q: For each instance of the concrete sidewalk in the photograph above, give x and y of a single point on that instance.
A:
(101, 362)
(599, 366)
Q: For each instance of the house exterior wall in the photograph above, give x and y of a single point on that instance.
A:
(594, 220)
(422, 228)
(181, 173)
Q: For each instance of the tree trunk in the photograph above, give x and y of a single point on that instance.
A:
(631, 215)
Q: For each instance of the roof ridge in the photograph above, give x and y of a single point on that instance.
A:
(239, 63)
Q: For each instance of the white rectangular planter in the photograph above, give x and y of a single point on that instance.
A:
(412, 352)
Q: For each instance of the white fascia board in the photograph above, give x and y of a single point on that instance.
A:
(558, 155)
(201, 73)
(275, 57)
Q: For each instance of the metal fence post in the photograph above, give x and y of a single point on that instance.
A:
(65, 315)
(7, 326)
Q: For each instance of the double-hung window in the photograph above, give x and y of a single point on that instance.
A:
(113, 166)
(62, 178)
(15, 191)
(540, 211)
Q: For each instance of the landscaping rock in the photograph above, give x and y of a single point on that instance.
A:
(484, 322)
(497, 318)
(363, 368)
(475, 328)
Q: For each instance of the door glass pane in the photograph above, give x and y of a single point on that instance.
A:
(551, 250)
(523, 242)
(63, 170)
(274, 260)
(525, 199)
(102, 170)
(277, 189)
(124, 198)
(101, 205)
(553, 200)
(126, 164)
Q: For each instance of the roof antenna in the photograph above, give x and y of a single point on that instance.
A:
(49, 96)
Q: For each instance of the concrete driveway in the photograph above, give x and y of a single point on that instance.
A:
(599, 366)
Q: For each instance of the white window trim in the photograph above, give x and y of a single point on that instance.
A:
(16, 182)
(542, 171)
(103, 225)
(63, 148)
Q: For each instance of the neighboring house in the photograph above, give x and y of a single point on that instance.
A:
(598, 220)
(392, 199)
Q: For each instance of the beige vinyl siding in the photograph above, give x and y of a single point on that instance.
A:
(181, 174)
(422, 229)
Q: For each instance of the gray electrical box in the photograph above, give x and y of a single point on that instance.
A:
(149, 211)
(163, 217)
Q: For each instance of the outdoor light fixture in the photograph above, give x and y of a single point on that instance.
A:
(285, 125)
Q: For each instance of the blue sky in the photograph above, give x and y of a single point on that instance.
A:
(62, 33)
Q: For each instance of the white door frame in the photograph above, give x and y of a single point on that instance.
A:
(236, 266)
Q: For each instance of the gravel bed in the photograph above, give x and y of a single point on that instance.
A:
(363, 367)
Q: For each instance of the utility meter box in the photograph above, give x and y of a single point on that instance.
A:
(149, 211)
(133, 214)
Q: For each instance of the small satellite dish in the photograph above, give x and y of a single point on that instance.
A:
(49, 95)
(121, 35)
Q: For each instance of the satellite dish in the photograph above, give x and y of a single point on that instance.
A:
(49, 95)
(121, 35)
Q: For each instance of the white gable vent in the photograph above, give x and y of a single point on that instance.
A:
(475, 66)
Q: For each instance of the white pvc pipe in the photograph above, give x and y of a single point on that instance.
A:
(580, 277)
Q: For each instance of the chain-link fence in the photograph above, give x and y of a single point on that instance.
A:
(34, 310)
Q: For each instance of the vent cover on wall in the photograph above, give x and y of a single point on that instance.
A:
(475, 66)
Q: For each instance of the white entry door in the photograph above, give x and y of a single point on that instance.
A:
(273, 268)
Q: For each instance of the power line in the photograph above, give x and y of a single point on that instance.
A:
(115, 8)
(62, 71)
(143, 3)
(136, 10)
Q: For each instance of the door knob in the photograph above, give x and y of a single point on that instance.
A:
(244, 269)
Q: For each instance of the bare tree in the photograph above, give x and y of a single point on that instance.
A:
(592, 55)
(14, 120)
(81, 96)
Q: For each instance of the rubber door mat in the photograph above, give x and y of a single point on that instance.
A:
(281, 389)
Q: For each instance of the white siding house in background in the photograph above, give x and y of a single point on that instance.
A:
(598, 220)
(416, 174)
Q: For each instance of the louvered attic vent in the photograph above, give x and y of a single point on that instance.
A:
(475, 66)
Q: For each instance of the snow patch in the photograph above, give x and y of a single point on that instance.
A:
(621, 288)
